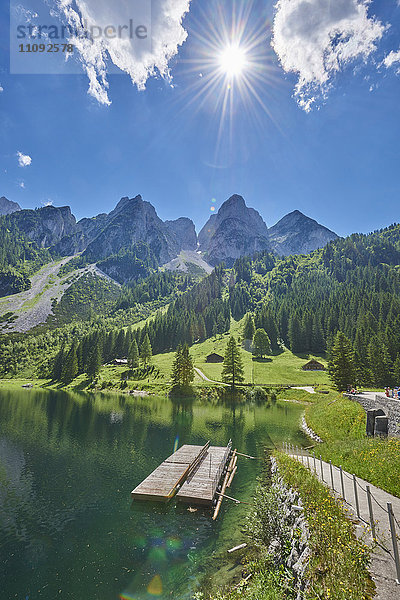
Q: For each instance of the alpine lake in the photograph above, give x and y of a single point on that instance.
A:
(68, 462)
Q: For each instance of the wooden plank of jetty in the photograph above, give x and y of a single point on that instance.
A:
(201, 485)
(162, 483)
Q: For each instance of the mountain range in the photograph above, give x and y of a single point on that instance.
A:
(236, 230)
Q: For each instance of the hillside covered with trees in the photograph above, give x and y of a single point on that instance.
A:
(351, 286)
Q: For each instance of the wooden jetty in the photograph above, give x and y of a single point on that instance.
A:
(192, 473)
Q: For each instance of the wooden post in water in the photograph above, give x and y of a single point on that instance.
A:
(224, 485)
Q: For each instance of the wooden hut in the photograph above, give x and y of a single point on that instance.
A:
(313, 365)
(120, 362)
(214, 358)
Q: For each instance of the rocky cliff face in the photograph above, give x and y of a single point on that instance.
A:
(45, 226)
(184, 231)
(85, 232)
(7, 207)
(132, 221)
(234, 231)
(298, 234)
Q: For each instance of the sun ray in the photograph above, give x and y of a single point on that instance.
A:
(230, 72)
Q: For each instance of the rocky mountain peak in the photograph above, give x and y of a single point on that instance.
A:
(236, 230)
(7, 207)
(296, 233)
(184, 231)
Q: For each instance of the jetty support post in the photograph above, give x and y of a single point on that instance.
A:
(394, 540)
(225, 484)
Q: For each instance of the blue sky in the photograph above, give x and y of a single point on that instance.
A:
(338, 162)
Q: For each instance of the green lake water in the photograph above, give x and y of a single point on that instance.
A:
(68, 462)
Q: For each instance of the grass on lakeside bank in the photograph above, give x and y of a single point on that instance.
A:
(341, 424)
(338, 563)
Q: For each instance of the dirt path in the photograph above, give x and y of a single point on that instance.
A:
(306, 388)
(205, 378)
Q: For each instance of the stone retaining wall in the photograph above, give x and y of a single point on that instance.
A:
(390, 407)
(291, 518)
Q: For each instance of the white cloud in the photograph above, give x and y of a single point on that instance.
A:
(47, 202)
(23, 159)
(1, 88)
(393, 58)
(317, 38)
(139, 60)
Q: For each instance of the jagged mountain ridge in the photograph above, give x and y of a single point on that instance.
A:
(236, 230)
(296, 233)
(7, 207)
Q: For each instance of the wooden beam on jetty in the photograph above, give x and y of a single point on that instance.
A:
(192, 473)
(163, 482)
(225, 484)
(201, 485)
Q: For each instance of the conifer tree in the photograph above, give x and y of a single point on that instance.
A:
(317, 341)
(396, 372)
(232, 370)
(341, 365)
(177, 367)
(58, 365)
(70, 365)
(295, 335)
(248, 327)
(262, 344)
(94, 360)
(187, 369)
(145, 350)
(182, 368)
(133, 355)
(379, 362)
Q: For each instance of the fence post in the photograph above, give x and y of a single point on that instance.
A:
(315, 463)
(322, 469)
(332, 481)
(356, 496)
(342, 483)
(297, 451)
(394, 540)
(308, 460)
(371, 514)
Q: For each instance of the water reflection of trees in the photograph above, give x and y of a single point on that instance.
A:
(182, 413)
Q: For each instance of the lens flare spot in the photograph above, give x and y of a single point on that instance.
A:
(174, 544)
(158, 554)
(155, 587)
(140, 542)
(212, 208)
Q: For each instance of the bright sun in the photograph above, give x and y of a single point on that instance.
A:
(232, 60)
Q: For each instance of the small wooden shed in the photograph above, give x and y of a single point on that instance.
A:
(214, 358)
(120, 362)
(313, 365)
